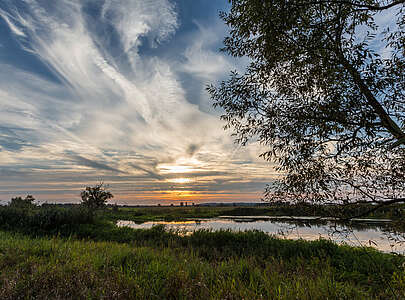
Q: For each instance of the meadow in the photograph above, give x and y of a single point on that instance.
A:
(64, 253)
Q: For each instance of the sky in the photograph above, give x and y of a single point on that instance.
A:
(114, 91)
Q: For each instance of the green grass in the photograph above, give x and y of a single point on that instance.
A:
(62, 253)
(154, 264)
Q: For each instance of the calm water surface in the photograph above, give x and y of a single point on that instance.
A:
(371, 236)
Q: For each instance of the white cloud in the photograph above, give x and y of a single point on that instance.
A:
(155, 19)
(127, 119)
(14, 28)
(106, 107)
(201, 60)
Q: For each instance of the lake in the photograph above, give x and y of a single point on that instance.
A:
(365, 232)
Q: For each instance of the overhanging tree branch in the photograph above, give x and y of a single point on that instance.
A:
(331, 110)
(359, 5)
(375, 208)
(386, 120)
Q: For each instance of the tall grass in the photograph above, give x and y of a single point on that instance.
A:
(69, 255)
(43, 219)
(55, 268)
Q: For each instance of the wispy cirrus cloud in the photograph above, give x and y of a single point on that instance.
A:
(116, 108)
(13, 27)
(93, 164)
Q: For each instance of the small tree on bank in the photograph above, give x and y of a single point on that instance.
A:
(95, 197)
(18, 202)
(325, 92)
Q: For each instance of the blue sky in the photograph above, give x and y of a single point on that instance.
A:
(114, 90)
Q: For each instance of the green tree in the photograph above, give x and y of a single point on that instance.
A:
(324, 91)
(27, 202)
(95, 197)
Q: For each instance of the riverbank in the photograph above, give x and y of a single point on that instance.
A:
(64, 253)
(181, 213)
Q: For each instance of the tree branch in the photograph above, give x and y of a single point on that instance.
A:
(381, 204)
(359, 5)
(386, 120)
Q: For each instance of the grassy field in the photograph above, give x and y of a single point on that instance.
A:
(220, 265)
(55, 253)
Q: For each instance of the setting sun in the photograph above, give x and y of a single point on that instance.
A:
(180, 180)
(182, 165)
(176, 169)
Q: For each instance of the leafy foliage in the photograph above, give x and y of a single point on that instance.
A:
(95, 197)
(18, 202)
(325, 91)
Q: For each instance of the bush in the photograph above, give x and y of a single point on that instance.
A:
(19, 202)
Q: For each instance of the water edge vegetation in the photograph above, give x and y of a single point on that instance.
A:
(57, 252)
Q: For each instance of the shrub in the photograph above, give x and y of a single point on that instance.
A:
(27, 202)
